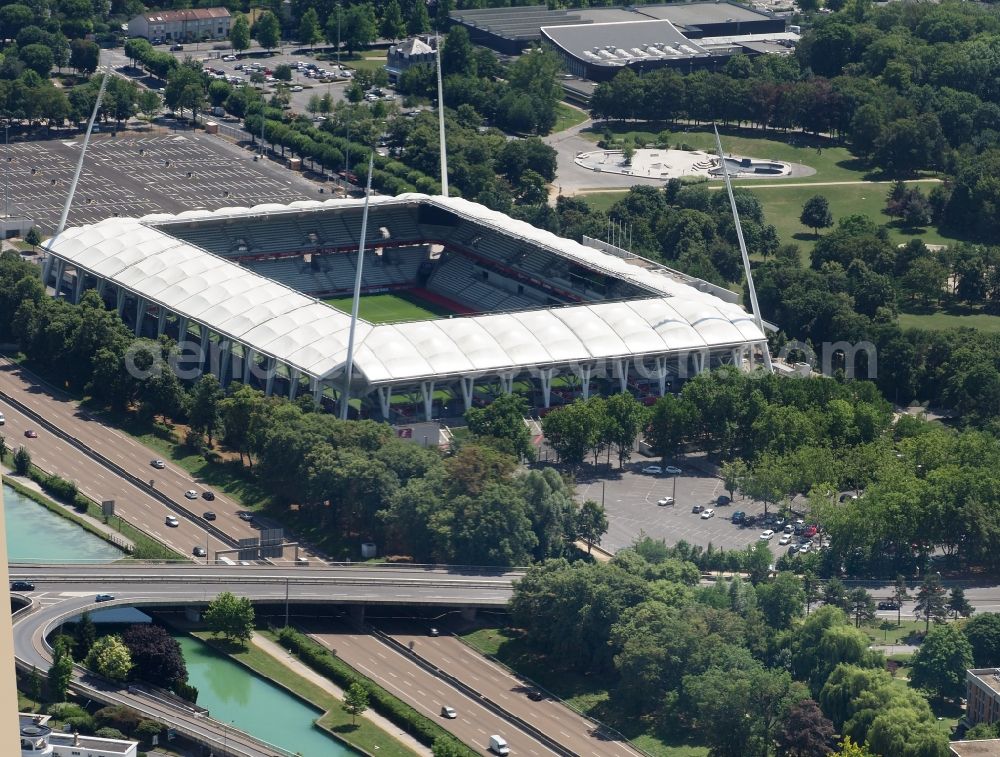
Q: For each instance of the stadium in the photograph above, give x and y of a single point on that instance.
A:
(460, 303)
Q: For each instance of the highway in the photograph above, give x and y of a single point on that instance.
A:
(133, 502)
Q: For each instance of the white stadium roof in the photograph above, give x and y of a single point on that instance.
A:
(274, 320)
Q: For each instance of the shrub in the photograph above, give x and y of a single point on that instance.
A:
(107, 732)
(63, 710)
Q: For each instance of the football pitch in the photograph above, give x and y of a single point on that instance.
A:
(390, 308)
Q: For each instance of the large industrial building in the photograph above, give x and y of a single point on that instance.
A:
(527, 306)
(595, 43)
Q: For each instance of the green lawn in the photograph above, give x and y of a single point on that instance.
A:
(364, 734)
(585, 693)
(939, 321)
(391, 308)
(366, 63)
(905, 633)
(567, 116)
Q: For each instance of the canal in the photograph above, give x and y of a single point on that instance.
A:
(234, 695)
(37, 534)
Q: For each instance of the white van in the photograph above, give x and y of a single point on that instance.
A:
(2, 419)
(498, 745)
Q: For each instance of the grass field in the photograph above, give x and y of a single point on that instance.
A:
(567, 116)
(940, 321)
(391, 308)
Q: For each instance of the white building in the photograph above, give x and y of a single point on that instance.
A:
(38, 740)
(189, 25)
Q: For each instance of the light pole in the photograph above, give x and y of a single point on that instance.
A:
(286, 601)
(6, 173)
(338, 34)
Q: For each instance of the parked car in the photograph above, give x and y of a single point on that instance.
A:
(653, 470)
(697, 508)
(809, 531)
(788, 529)
(665, 501)
(199, 552)
(785, 538)
(176, 48)
(672, 470)
(738, 517)
(766, 535)
(158, 464)
(722, 500)
(172, 521)
(229, 57)
(104, 597)
(707, 513)
(191, 494)
(22, 586)
(448, 712)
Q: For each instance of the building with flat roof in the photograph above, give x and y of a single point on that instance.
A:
(39, 740)
(980, 748)
(188, 25)
(983, 695)
(512, 30)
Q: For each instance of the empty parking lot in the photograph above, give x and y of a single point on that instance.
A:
(132, 174)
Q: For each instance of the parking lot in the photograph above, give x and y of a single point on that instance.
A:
(630, 500)
(131, 174)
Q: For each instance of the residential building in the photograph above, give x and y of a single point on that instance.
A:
(38, 740)
(191, 25)
(408, 53)
(983, 695)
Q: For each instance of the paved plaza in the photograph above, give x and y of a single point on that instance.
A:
(133, 174)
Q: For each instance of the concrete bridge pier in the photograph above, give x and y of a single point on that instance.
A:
(357, 616)
(469, 614)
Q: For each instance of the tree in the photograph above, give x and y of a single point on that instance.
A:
(932, 603)
(862, 606)
(38, 58)
(419, 20)
(781, 600)
(958, 604)
(85, 634)
(156, 655)
(940, 662)
(849, 749)
(185, 89)
(816, 214)
(983, 633)
(805, 731)
(502, 422)
(110, 658)
(626, 418)
(358, 26)
(22, 461)
(445, 746)
(231, 616)
(900, 594)
(835, 594)
(267, 30)
(591, 523)
(239, 33)
(310, 31)
(205, 413)
(61, 672)
(810, 588)
(734, 473)
(393, 26)
(355, 700)
(33, 237)
(84, 56)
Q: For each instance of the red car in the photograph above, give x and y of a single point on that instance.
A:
(809, 531)
(30, 433)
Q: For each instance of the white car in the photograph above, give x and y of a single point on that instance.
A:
(229, 57)
(766, 535)
(158, 464)
(191, 494)
(803, 548)
(172, 521)
(448, 712)
(785, 538)
(706, 514)
(665, 501)
(296, 88)
(654, 470)
(671, 470)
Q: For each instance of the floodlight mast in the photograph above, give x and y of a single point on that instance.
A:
(83, 155)
(356, 303)
(754, 308)
(442, 146)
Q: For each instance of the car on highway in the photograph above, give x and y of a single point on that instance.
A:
(208, 495)
(199, 552)
(707, 513)
(498, 745)
(244, 515)
(104, 597)
(653, 470)
(158, 464)
(448, 712)
(3, 420)
(665, 501)
(171, 521)
(785, 538)
(766, 535)
(697, 509)
(191, 494)
(888, 604)
(22, 586)
(535, 695)
(31, 433)
(434, 632)
(672, 470)
(208, 515)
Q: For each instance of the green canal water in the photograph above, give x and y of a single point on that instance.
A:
(37, 534)
(234, 695)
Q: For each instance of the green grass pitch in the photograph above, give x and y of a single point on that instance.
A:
(390, 308)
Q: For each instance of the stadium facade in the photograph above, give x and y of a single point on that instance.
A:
(238, 287)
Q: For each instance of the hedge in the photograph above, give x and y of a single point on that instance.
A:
(425, 730)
